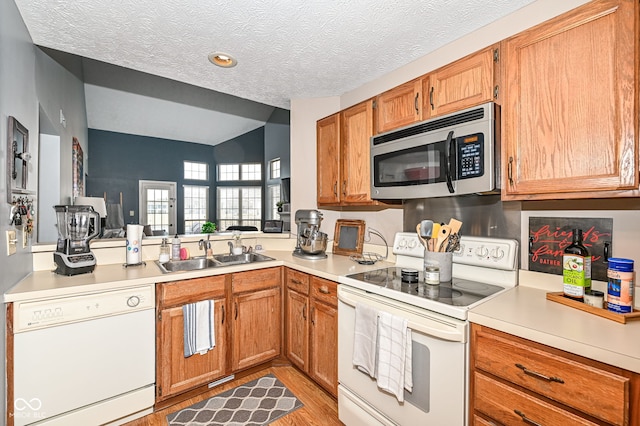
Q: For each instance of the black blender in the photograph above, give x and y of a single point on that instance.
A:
(77, 225)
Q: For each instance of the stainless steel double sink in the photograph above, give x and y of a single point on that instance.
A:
(217, 261)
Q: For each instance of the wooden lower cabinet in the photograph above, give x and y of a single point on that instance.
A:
(256, 321)
(175, 373)
(514, 380)
(311, 327)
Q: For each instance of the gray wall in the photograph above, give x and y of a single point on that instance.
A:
(29, 80)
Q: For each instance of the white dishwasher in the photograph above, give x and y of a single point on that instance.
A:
(85, 360)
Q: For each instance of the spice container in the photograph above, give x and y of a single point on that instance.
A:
(620, 284)
(432, 274)
(594, 298)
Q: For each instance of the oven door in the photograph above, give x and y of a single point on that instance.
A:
(439, 362)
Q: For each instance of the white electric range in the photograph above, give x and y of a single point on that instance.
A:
(437, 317)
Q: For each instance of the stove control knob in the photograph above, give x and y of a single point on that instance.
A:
(412, 243)
(133, 301)
(497, 253)
(482, 252)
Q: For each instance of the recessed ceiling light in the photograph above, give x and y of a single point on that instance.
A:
(223, 60)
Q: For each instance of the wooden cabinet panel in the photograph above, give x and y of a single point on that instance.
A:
(399, 106)
(548, 385)
(465, 83)
(174, 372)
(189, 291)
(297, 281)
(592, 390)
(509, 405)
(256, 280)
(255, 327)
(328, 159)
(324, 290)
(355, 158)
(324, 346)
(569, 116)
(297, 329)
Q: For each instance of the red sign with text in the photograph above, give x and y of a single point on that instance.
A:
(549, 236)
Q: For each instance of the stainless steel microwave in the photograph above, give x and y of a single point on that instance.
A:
(455, 154)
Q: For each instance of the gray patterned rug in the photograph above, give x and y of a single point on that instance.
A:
(255, 403)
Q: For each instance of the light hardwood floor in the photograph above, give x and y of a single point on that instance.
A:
(319, 408)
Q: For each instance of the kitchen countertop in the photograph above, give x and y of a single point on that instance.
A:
(46, 284)
(523, 311)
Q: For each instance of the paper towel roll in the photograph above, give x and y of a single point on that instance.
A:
(134, 244)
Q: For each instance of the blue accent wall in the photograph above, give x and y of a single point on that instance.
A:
(118, 161)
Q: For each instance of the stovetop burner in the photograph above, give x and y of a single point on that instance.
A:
(456, 292)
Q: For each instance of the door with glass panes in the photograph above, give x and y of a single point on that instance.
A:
(158, 206)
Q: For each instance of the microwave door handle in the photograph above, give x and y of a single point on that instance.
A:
(450, 153)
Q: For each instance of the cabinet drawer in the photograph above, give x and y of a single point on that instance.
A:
(298, 281)
(324, 290)
(193, 290)
(510, 406)
(583, 386)
(256, 280)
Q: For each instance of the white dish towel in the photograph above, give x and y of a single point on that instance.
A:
(394, 355)
(365, 341)
(199, 330)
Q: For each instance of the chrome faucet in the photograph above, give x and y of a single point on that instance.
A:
(204, 245)
(230, 247)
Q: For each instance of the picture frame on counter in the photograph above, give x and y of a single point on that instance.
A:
(348, 238)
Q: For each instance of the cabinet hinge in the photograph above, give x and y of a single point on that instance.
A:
(374, 105)
(159, 390)
(496, 55)
(159, 315)
(496, 91)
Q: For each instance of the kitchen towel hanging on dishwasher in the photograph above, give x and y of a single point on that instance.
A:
(199, 331)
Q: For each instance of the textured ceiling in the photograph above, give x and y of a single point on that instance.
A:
(285, 49)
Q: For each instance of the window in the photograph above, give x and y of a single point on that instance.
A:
(273, 196)
(274, 169)
(239, 205)
(196, 171)
(239, 172)
(196, 208)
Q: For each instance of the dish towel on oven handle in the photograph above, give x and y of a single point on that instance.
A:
(366, 339)
(394, 369)
(199, 330)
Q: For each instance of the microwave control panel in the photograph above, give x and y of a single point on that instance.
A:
(470, 156)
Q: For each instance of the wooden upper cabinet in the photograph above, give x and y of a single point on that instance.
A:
(569, 127)
(467, 82)
(399, 106)
(357, 129)
(328, 158)
(344, 162)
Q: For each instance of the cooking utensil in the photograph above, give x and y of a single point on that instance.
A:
(455, 225)
(422, 240)
(443, 236)
(435, 230)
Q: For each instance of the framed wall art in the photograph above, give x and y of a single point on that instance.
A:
(77, 163)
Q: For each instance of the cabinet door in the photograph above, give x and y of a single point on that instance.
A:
(297, 329)
(568, 116)
(357, 129)
(462, 84)
(175, 373)
(255, 328)
(399, 106)
(328, 159)
(324, 346)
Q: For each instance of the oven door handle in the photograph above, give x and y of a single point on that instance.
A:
(440, 329)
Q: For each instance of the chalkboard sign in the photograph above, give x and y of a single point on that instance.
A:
(549, 236)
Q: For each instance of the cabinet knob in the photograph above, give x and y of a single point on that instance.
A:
(324, 289)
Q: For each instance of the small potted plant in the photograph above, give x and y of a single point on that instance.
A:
(208, 228)
(279, 204)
